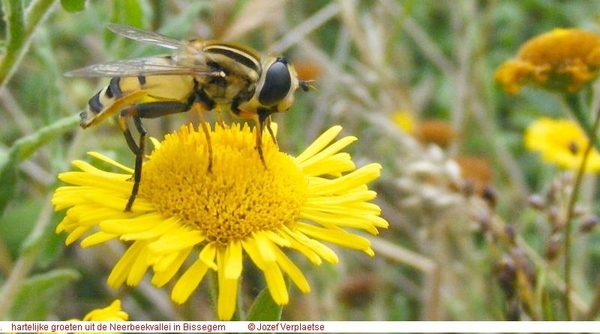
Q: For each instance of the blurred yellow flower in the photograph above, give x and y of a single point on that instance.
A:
(239, 207)
(404, 121)
(561, 60)
(561, 142)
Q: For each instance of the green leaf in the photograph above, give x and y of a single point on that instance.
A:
(38, 295)
(18, 222)
(73, 6)
(264, 308)
(129, 12)
(46, 239)
(53, 249)
(23, 149)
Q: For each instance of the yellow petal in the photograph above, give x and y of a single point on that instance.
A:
(233, 260)
(292, 270)
(318, 144)
(207, 255)
(188, 282)
(123, 267)
(276, 284)
(228, 287)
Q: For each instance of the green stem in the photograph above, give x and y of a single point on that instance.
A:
(37, 12)
(578, 112)
(20, 29)
(15, 32)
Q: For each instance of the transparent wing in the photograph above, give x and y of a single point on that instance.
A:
(146, 36)
(142, 66)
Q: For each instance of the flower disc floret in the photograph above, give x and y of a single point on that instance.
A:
(239, 196)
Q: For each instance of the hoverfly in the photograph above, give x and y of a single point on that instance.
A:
(201, 74)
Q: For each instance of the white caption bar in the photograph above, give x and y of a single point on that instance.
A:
(300, 326)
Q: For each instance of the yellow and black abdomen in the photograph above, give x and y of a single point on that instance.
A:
(124, 92)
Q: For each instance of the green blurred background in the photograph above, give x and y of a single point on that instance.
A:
(431, 60)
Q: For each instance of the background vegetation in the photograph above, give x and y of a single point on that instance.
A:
(468, 248)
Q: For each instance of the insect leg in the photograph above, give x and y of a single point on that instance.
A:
(162, 108)
(198, 107)
(137, 149)
(258, 146)
(261, 119)
(268, 124)
(203, 103)
(137, 112)
(139, 159)
(220, 119)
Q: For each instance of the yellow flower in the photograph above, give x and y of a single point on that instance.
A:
(561, 142)
(184, 211)
(561, 60)
(404, 120)
(112, 312)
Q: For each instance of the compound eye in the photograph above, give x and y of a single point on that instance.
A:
(278, 83)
